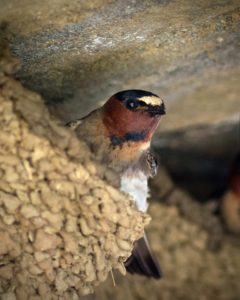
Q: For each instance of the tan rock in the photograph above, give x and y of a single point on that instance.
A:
(23, 196)
(21, 293)
(40, 256)
(34, 270)
(86, 230)
(44, 241)
(11, 175)
(9, 296)
(29, 211)
(44, 290)
(35, 198)
(10, 202)
(124, 244)
(55, 220)
(90, 271)
(6, 272)
(71, 224)
(45, 264)
(8, 219)
(70, 242)
(100, 260)
(10, 160)
(60, 281)
(7, 244)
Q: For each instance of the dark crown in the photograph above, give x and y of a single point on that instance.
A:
(133, 94)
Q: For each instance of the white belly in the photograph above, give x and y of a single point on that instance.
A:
(137, 187)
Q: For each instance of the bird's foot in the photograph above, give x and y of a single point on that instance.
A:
(152, 163)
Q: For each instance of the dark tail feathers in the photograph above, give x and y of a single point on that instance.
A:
(142, 261)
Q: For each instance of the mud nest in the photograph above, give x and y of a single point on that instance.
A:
(62, 226)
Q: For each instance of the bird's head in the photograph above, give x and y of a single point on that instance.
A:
(133, 115)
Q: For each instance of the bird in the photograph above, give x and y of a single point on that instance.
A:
(119, 133)
(230, 206)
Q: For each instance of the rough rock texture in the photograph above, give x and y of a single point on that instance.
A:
(62, 227)
(88, 51)
(77, 54)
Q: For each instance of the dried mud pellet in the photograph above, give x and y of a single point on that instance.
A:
(10, 202)
(70, 242)
(6, 272)
(90, 271)
(44, 241)
(29, 211)
(58, 217)
(86, 230)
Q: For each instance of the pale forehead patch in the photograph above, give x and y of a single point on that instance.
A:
(151, 100)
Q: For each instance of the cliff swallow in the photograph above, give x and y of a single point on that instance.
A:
(119, 133)
(231, 200)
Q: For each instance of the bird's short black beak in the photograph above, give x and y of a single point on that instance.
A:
(155, 110)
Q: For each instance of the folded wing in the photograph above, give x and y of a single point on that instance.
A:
(142, 261)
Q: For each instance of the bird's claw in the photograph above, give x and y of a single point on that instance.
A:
(74, 124)
(152, 163)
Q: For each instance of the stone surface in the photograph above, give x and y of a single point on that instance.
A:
(83, 53)
(77, 54)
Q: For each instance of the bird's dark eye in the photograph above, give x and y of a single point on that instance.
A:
(131, 104)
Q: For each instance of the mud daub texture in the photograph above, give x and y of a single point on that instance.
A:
(62, 228)
(199, 261)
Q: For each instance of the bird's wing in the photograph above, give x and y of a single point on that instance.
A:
(142, 261)
(74, 124)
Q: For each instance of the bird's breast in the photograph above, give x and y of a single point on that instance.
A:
(137, 187)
